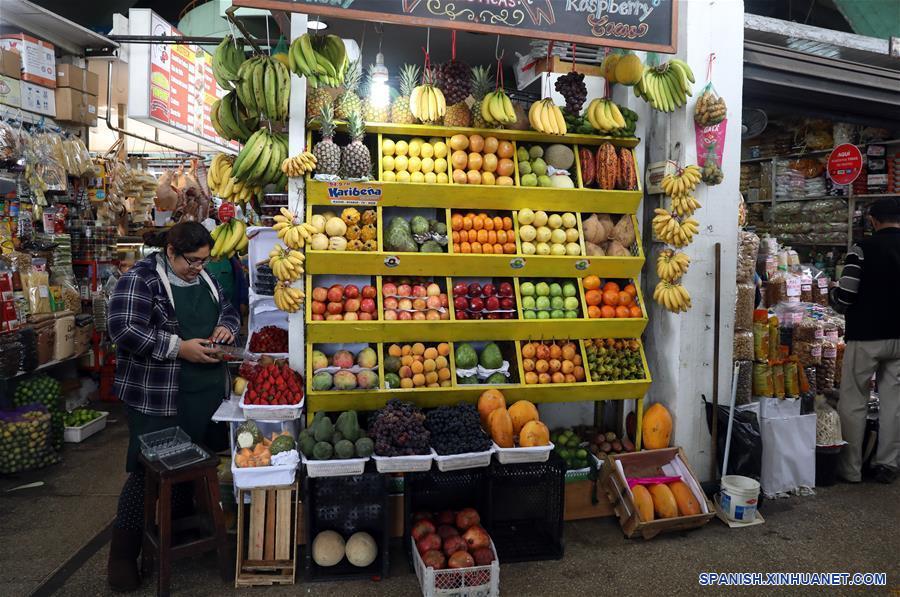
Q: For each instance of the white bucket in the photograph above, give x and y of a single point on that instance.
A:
(739, 498)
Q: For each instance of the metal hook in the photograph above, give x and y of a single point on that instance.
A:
(497, 54)
(428, 40)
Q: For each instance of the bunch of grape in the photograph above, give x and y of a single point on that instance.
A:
(398, 430)
(456, 430)
(571, 86)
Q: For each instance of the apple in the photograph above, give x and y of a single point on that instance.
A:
(351, 316)
(351, 305)
(433, 315)
(334, 317)
(419, 315)
(493, 315)
(351, 291)
(528, 302)
(318, 317)
(318, 307)
(542, 303)
(419, 290)
(369, 291)
(474, 314)
(492, 303)
(390, 302)
(405, 304)
(507, 303)
(542, 289)
(460, 289)
(334, 308)
(461, 303)
(389, 289)
(474, 289)
(404, 315)
(404, 290)
(363, 316)
(557, 302)
(488, 290)
(320, 294)
(527, 289)
(505, 289)
(432, 290)
(390, 315)
(444, 301)
(419, 304)
(335, 293)
(367, 305)
(461, 315)
(476, 303)
(569, 289)
(433, 302)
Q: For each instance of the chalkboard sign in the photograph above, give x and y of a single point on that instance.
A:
(634, 24)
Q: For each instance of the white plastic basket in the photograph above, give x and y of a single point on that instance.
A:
(456, 462)
(343, 467)
(282, 412)
(262, 476)
(75, 435)
(519, 455)
(404, 464)
(476, 581)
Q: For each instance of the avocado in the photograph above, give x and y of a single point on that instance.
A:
(496, 378)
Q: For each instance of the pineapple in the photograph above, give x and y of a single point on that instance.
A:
(458, 115)
(349, 102)
(317, 98)
(328, 154)
(372, 113)
(409, 78)
(356, 161)
(481, 86)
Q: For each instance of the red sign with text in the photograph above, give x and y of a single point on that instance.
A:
(845, 164)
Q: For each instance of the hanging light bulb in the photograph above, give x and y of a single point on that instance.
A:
(379, 92)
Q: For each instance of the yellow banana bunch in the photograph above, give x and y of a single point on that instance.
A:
(674, 297)
(672, 230)
(497, 108)
(671, 265)
(427, 103)
(222, 183)
(682, 182)
(293, 234)
(299, 165)
(287, 298)
(286, 264)
(685, 205)
(605, 116)
(545, 117)
(229, 239)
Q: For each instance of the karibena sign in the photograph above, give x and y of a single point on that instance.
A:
(636, 24)
(845, 164)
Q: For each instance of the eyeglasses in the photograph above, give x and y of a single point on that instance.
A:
(195, 262)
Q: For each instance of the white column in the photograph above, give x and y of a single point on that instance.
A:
(680, 347)
(297, 191)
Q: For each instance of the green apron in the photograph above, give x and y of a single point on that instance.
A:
(222, 270)
(201, 386)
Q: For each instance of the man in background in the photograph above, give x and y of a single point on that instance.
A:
(868, 293)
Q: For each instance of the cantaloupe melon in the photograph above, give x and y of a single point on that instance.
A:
(328, 548)
(643, 502)
(361, 549)
(664, 505)
(684, 498)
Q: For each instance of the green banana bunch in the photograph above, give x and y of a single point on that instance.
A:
(259, 162)
(227, 59)
(230, 120)
(667, 86)
(264, 88)
(322, 60)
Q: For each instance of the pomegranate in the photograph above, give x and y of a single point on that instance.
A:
(428, 542)
(434, 559)
(446, 530)
(476, 537)
(446, 517)
(483, 556)
(422, 528)
(461, 559)
(466, 518)
(454, 544)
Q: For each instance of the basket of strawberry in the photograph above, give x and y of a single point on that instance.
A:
(274, 392)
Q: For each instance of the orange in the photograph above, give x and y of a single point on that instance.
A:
(507, 223)
(473, 235)
(611, 286)
(465, 247)
(509, 248)
(456, 222)
(501, 236)
(498, 223)
(610, 297)
(593, 297)
(443, 349)
(467, 223)
(456, 247)
(482, 235)
(491, 235)
(455, 235)
(488, 223)
(487, 248)
(498, 248)
(591, 282)
(594, 312)
(471, 215)
(623, 311)
(636, 311)
(478, 222)
(607, 312)
(476, 247)
(625, 298)
(630, 289)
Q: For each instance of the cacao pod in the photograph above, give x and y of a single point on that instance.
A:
(627, 175)
(588, 171)
(607, 167)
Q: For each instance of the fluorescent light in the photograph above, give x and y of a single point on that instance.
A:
(316, 25)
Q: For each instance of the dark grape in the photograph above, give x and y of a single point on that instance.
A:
(398, 430)
(456, 430)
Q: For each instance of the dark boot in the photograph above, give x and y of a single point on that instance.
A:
(122, 570)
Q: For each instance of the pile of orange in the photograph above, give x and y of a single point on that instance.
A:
(610, 301)
(481, 233)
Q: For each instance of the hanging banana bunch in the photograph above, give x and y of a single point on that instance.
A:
(287, 298)
(286, 264)
(294, 234)
(299, 165)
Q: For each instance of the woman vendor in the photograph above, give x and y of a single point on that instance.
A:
(163, 316)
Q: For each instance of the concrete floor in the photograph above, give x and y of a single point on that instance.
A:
(846, 528)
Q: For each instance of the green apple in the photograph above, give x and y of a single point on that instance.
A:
(522, 154)
(544, 181)
(557, 314)
(557, 302)
(535, 152)
(525, 216)
(570, 303)
(528, 302)
(569, 289)
(529, 180)
(542, 249)
(555, 289)
(542, 289)
(539, 166)
(571, 314)
(530, 315)
(527, 289)
(542, 303)
(543, 314)
(524, 168)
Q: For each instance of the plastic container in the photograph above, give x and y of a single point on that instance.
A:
(404, 464)
(739, 498)
(76, 435)
(455, 462)
(263, 476)
(827, 458)
(262, 412)
(476, 581)
(347, 505)
(520, 455)
(334, 468)
(160, 444)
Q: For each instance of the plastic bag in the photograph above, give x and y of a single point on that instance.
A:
(762, 380)
(828, 424)
(745, 453)
(25, 439)
(710, 107)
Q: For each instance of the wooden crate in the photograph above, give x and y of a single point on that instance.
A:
(586, 499)
(266, 543)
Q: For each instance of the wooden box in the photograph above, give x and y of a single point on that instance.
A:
(586, 499)
(266, 544)
(651, 463)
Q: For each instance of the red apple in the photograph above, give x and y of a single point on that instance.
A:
(419, 316)
(434, 559)
(488, 290)
(492, 303)
(421, 528)
(335, 308)
(389, 315)
(369, 291)
(363, 316)
(445, 517)
(505, 289)
(474, 314)
(334, 317)
(460, 289)
(445, 314)
(419, 290)
(454, 543)
(405, 304)
(351, 305)
(351, 291)
(461, 559)
(461, 303)
(432, 314)
(335, 293)
(507, 303)
(318, 317)
(476, 303)
(390, 302)
(444, 300)
(367, 305)
(432, 290)
(476, 537)
(474, 289)
(466, 518)
(461, 315)
(419, 304)
(433, 302)
(404, 290)
(428, 542)
(320, 294)
(483, 556)
(404, 315)
(318, 307)
(388, 289)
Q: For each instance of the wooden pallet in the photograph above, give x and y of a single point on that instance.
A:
(266, 543)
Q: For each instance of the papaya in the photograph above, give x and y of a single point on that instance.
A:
(664, 505)
(643, 502)
(501, 427)
(488, 401)
(533, 433)
(522, 412)
(684, 498)
(656, 428)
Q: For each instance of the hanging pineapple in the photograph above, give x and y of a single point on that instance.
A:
(328, 154)
(370, 112)
(455, 81)
(409, 76)
(481, 86)
(356, 161)
(349, 102)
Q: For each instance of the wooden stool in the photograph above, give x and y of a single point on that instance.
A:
(158, 543)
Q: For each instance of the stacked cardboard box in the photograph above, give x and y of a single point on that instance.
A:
(76, 94)
(36, 62)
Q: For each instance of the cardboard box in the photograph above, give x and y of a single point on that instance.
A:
(38, 99)
(70, 105)
(10, 92)
(10, 64)
(69, 75)
(38, 58)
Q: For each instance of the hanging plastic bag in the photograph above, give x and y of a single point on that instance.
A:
(710, 107)
(710, 123)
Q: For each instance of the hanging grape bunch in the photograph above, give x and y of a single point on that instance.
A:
(398, 429)
(571, 86)
(455, 79)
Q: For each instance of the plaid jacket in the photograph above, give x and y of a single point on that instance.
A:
(143, 325)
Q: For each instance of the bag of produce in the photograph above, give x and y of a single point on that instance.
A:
(25, 442)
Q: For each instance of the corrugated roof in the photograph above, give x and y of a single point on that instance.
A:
(874, 18)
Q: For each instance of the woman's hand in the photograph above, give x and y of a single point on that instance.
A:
(222, 335)
(197, 350)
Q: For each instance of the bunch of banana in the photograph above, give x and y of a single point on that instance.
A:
(322, 60)
(287, 298)
(230, 120)
(427, 103)
(671, 265)
(667, 86)
(685, 205)
(682, 182)
(673, 297)
(259, 161)
(293, 234)
(286, 264)
(229, 239)
(222, 184)
(497, 108)
(226, 61)
(264, 88)
(299, 165)
(672, 230)
(605, 116)
(546, 117)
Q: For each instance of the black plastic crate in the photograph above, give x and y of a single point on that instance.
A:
(527, 506)
(347, 505)
(452, 490)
